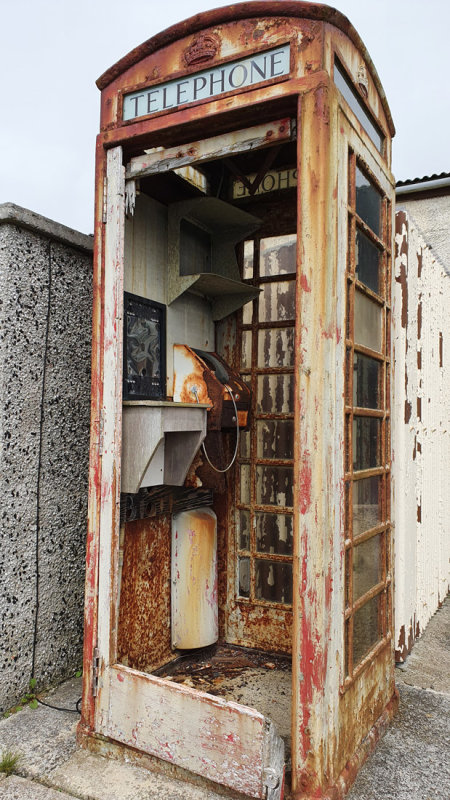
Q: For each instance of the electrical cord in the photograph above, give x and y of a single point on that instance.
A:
(75, 710)
(195, 393)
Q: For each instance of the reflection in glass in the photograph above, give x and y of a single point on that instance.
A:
(244, 577)
(276, 347)
(278, 255)
(244, 444)
(368, 262)
(243, 525)
(356, 104)
(366, 628)
(277, 301)
(367, 567)
(273, 581)
(368, 202)
(245, 483)
(366, 382)
(368, 317)
(275, 393)
(275, 438)
(367, 507)
(274, 533)
(366, 443)
(274, 486)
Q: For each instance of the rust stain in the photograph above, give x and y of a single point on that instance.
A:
(419, 318)
(419, 359)
(408, 409)
(419, 513)
(419, 409)
(441, 349)
(419, 263)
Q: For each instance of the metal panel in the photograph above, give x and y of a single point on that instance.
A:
(220, 740)
(194, 579)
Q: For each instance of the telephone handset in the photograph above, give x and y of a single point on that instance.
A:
(204, 377)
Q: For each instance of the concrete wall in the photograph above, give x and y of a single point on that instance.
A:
(45, 295)
(421, 415)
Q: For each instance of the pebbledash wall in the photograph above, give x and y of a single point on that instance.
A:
(421, 409)
(45, 344)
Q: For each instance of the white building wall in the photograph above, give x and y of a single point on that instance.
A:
(421, 420)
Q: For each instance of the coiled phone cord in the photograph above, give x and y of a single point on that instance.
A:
(195, 393)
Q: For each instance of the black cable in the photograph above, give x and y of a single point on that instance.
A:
(41, 429)
(75, 710)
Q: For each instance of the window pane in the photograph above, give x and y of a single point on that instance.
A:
(367, 504)
(244, 444)
(244, 577)
(277, 301)
(247, 313)
(275, 438)
(366, 628)
(367, 382)
(276, 347)
(275, 393)
(368, 262)
(245, 483)
(243, 529)
(368, 202)
(274, 533)
(273, 581)
(246, 357)
(278, 255)
(274, 486)
(368, 317)
(357, 106)
(367, 567)
(366, 443)
(248, 259)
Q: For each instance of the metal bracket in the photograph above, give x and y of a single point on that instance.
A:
(95, 672)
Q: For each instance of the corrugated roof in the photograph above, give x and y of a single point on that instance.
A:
(425, 179)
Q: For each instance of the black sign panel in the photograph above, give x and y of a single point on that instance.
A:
(144, 349)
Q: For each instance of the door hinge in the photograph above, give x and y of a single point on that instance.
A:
(95, 672)
(105, 204)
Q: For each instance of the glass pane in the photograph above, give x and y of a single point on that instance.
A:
(243, 529)
(368, 262)
(367, 382)
(366, 443)
(277, 301)
(357, 106)
(274, 533)
(273, 581)
(366, 628)
(367, 566)
(278, 255)
(276, 347)
(246, 357)
(244, 442)
(247, 313)
(247, 271)
(368, 317)
(368, 202)
(275, 393)
(245, 483)
(367, 505)
(275, 438)
(244, 577)
(274, 486)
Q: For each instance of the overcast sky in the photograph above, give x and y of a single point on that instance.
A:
(52, 51)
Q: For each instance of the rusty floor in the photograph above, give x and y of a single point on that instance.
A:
(250, 677)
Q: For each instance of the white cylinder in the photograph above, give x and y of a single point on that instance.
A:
(194, 579)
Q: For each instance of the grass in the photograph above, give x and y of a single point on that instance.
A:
(9, 760)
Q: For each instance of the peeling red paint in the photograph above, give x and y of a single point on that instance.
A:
(305, 484)
(304, 283)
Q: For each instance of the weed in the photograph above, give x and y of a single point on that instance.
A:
(9, 760)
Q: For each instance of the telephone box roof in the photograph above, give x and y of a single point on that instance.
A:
(238, 11)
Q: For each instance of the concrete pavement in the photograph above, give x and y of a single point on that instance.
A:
(411, 762)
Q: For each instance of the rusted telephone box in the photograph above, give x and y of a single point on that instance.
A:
(239, 580)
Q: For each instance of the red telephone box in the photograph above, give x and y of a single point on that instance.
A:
(239, 579)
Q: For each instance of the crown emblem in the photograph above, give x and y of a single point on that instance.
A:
(362, 80)
(203, 48)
